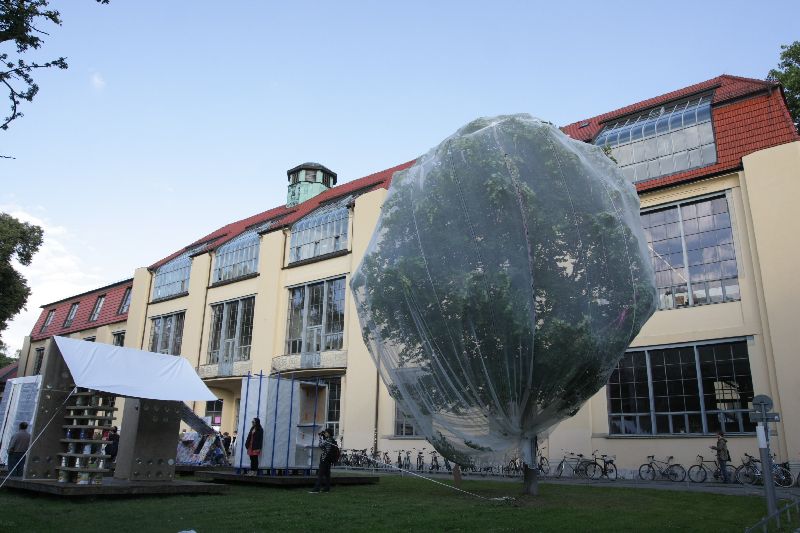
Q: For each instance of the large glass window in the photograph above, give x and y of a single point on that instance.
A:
(73, 310)
(239, 256)
(125, 303)
(693, 389)
(167, 333)
(316, 317)
(321, 232)
(691, 246)
(50, 314)
(334, 412)
(231, 330)
(37, 362)
(662, 141)
(173, 277)
(98, 306)
(403, 423)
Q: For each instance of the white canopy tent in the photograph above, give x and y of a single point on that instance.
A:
(129, 372)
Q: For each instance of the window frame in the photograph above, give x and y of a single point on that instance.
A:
(175, 338)
(686, 267)
(117, 335)
(125, 303)
(38, 361)
(404, 423)
(239, 257)
(322, 232)
(329, 340)
(73, 310)
(173, 277)
(215, 336)
(98, 308)
(652, 413)
(48, 320)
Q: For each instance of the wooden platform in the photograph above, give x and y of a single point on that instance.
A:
(191, 469)
(115, 487)
(282, 481)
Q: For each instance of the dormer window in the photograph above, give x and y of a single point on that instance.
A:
(172, 278)
(664, 140)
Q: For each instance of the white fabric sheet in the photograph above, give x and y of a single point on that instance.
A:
(129, 372)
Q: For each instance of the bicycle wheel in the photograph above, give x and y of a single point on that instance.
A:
(647, 472)
(544, 466)
(611, 471)
(560, 469)
(593, 471)
(697, 474)
(676, 473)
(782, 476)
(580, 469)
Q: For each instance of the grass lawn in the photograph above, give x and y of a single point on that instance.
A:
(394, 504)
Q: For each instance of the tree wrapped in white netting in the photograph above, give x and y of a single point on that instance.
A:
(507, 275)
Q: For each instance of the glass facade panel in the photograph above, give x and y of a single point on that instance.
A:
(73, 310)
(403, 423)
(323, 231)
(239, 256)
(691, 246)
(173, 277)
(316, 317)
(166, 334)
(98, 306)
(231, 330)
(696, 389)
(662, 141)
(50, 314)
(125, 303)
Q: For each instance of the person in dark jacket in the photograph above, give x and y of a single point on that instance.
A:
(254, 442)
(723, 455)
(17, 448)
(113, 446)
(329, 447)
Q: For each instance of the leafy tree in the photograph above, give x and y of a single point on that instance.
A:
(788, 74)
(18, 241)
(20, 24)
(5, 358)
(506, 277)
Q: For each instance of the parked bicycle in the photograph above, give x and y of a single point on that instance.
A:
(750, 472)
(434, 461)
(698, 473)
(602, 467)
(654, 467)
(574, 462)
(421, 460)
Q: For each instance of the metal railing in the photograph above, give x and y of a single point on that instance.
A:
(775, 517)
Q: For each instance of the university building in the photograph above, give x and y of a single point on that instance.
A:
(717, 167)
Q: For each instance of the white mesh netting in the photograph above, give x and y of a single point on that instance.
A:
(507, 275)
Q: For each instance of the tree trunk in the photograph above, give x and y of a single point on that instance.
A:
(457, 476)
(530, 480)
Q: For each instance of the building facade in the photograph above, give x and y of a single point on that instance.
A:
(99, 315)
(717, 167)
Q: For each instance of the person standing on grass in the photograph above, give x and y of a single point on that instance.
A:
(255, 439)
(329, 450)
(723, 455)
(17, 448)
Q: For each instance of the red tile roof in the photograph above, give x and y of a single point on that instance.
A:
(9, 372)
(285, 216)
(748, 115)
(108, 313)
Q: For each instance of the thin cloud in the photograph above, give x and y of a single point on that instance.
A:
(56, 272)
(98, 82)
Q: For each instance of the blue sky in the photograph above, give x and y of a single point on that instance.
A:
(178, 117)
